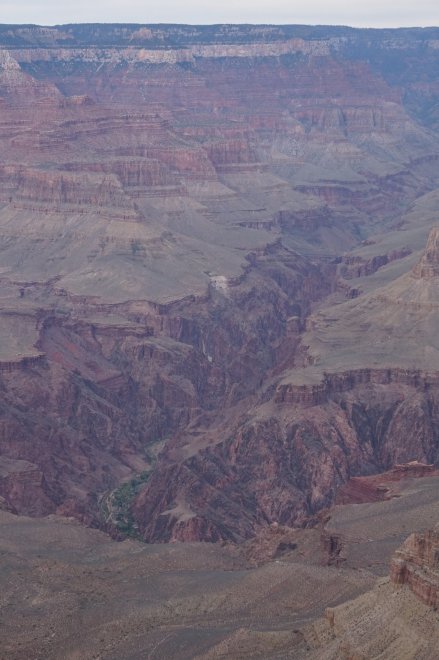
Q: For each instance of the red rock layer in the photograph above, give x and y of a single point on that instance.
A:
(376, 488)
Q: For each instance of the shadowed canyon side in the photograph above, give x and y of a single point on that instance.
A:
(217, 304)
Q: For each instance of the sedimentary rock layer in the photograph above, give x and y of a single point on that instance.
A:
(416, 564)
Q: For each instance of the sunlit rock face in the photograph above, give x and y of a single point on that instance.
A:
(212, 272)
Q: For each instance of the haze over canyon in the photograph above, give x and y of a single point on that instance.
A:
(219, 265)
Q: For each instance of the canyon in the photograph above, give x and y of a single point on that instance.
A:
(219, 269)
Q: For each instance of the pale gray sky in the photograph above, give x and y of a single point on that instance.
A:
(369, 13)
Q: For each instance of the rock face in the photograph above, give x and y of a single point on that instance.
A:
(396, 619)
(428, 267)
(416, 564)
(287, 462)
(183, 213)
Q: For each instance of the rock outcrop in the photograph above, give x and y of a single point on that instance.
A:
(416, 564)
(356, 266)
(428, 266)
(396, 619)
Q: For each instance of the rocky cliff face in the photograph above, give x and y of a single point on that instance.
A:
(428, 266)
(287, 461)
(397, 618)
(416, 564)
(177, 206)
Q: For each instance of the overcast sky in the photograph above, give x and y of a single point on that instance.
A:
(374, 13)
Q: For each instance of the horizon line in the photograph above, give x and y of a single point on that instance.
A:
(215, 24)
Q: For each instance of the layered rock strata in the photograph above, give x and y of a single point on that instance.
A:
(175, 203)
(416, 564)
(397, 618)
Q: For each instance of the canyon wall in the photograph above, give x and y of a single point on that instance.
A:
(177, 206)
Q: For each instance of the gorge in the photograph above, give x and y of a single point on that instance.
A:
(219, 267)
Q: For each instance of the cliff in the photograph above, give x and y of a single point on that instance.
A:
(416, 565)
(397, 618)
(428, 266)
